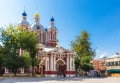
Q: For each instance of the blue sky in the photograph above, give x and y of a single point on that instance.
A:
(101, 18)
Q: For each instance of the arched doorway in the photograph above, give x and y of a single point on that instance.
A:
(60, 67)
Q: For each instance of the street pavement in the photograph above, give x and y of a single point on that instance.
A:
(59, 80)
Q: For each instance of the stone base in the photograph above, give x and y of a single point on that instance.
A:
(67, 75)
(46, 75)
(70, 75)
(11, 74)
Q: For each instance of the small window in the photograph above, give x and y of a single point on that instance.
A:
(38, 27)
(112, 63)
(116, 63)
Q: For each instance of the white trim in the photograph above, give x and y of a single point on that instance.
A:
(70, 75)
(61, 60)
(50, 75)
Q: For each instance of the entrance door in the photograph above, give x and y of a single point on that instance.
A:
(61, 68)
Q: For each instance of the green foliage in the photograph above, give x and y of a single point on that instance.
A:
(82, 47)
(14, 38)
(86, 66)
(1, 62)
(35, 61)
(28, 41)
(26, 59)
(86, 59)
(77, 61)
(13, 62)
(1, 58)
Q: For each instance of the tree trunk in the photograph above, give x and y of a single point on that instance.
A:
(33, 73)
(15, 71)
(76, 72)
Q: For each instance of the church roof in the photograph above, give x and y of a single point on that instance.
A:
(24, 22)
(24, 14)
(37, 25)
(48, 49)
(52, 27)
(52, 19)
(58, 50)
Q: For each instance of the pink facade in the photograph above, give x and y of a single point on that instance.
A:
(54, 60)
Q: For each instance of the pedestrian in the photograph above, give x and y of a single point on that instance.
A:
(64, 74)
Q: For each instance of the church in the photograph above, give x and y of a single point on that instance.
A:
(54, 60)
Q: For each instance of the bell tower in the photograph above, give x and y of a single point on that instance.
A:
(52, 34)
(24, 23)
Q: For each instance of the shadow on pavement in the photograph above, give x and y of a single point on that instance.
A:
(36, 79)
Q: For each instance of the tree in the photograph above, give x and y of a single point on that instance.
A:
(77, 64)
(29, 40)
(86, 66)
(82, 47)
(1, 61)
(11, 44)
(26, 59)
(9, 40)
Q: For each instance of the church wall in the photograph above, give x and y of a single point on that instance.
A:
(53, 58)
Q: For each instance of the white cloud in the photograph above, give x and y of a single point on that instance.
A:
(103, 55)
(99, 55)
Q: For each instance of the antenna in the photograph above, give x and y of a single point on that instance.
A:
(24, 7)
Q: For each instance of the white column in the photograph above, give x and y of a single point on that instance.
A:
(46, 64)
(73, 64)
(20, 53)
(67, 63)
(54, 63)
(51, 63)
(22, 70)
(70, 63)
(6, 70)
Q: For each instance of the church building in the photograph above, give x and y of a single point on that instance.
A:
(54, 60)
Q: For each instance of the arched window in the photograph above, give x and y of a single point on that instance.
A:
(53, 35)
(38, 27)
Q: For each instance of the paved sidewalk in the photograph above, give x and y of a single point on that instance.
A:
(59, 80)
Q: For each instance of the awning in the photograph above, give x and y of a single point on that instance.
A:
(114, 70)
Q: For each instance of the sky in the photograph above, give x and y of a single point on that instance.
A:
(101, 18)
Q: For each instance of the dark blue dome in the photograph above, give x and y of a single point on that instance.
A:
(52, 19)
(24, 14)
(46, 29)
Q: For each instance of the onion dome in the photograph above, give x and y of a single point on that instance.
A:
(52, 26)
(37, 15)
(24, 14)
(24, 22)
(37, 26)
(52, 19)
